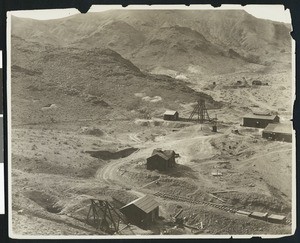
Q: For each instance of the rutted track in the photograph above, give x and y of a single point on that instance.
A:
(226, 208)
(189, 200)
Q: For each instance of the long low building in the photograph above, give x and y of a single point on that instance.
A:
(259, 121)
(278, 132)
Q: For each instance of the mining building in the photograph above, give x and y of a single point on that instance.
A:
(257, 82)
(278, 132)
(142, 211)
(171, 115)
(259, 121)
(161, 160)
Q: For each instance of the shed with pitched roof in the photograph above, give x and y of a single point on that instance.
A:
(171, 115)
(142, 211)
(161, 160)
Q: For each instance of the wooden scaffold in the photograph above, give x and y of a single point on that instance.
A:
(103, 216)
(201, 111)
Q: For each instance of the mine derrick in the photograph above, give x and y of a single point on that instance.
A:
(177, 219)
(200, 111)
(215, 124)
(103, 216)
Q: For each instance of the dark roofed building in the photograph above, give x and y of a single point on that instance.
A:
(171, 115)
(259, 121)
(256, 82)
(278, 132)
(142, 211)
(161, 160)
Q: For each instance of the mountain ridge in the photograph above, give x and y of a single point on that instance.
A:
(168, 39)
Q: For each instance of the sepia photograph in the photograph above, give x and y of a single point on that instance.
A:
(2, 195)
(151, 122)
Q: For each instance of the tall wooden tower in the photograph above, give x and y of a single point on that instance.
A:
(200, 111)
(103, 216)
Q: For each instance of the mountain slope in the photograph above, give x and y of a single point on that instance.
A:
(97, 82)
(178, 40)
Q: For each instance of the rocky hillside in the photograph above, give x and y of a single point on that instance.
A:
(170, 42)
(82, 83)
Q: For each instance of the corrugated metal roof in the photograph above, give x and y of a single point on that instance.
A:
(276, 217)
(165, 154)
(243, 212)
(270, 127)
(262, 113)
(264, 117)
(279, 128)
(145, 203)
(259, 214)
(169, 112)
(162, 155)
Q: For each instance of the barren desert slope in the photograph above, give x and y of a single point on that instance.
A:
(88, 95)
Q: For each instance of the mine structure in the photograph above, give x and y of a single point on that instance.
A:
(142, 212)
(259, 120)
(161, 160)
(177, 218)
(171, 115)
(215, 124)
(200, 111)
(103, 216)
(278, 132)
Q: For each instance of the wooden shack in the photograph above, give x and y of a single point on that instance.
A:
(142, 211)
(161, 160)
(171, 115)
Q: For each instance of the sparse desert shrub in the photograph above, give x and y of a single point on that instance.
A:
(134, 104)
(144, 110)
(92, 131)
(72, 92)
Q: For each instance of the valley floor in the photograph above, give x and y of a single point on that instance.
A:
(54, 176)
(57, 167)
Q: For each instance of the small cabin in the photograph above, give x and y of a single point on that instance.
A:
(161, 160)
(171, 115)
(142, 211)
(259, 121)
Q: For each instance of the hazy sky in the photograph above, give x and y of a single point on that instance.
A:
(272, 12)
